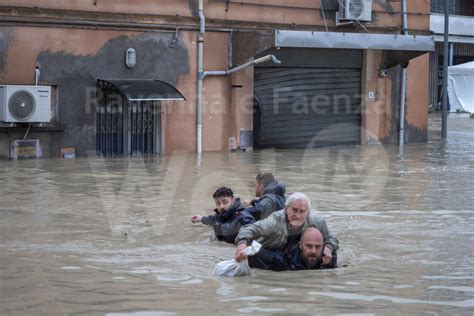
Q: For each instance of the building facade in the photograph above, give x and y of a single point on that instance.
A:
(338, 81)
(461, 42)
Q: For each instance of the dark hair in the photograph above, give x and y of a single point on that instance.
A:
(265, 178)
(223, 192)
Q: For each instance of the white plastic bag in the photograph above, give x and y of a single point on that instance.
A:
(234, 268)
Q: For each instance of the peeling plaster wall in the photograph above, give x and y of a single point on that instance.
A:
(5, 38)
(72, 60)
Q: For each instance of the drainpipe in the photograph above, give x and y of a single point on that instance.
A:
(202, 30)
(401, 134)
(37, 75)
(444, 118)
(238, 68)
(203, 74)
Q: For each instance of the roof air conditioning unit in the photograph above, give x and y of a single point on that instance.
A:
(351, 10)
(25, 104)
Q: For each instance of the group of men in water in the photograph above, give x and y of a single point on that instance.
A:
(292, 234)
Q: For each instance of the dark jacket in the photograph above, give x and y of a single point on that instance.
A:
(285, 259)
(274, 232)
(226, 225)
(272, 199)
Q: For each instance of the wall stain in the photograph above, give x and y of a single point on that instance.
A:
(392, 138)
(386, 5)
(414, 134)
(330, 7)
(5, 39)
(76, 77)
(193, 8)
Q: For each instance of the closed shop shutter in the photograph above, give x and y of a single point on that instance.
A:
(306, 107)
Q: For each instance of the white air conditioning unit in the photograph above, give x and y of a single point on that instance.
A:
(351, 10)
(25, 104)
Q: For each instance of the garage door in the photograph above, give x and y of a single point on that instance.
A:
(306, 107)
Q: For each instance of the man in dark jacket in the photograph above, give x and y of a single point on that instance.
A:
(230, 215)
(283, 229)
(271, 196)
(308, 254)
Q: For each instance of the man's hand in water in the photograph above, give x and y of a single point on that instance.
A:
(327, 255)
(196, 219)
(239, 252)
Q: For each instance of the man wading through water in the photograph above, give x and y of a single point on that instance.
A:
(271, 196)
(229, 215)
(283, 229)
(307, 255)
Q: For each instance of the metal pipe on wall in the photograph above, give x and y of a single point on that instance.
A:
(401, 133)
(203, 74)
(236, 69)
(444, 120)
(202, 31)
(451, 54)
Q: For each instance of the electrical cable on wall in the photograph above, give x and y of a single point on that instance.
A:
(27, 131)
(324, 15)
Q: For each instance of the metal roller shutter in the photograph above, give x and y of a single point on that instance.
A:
(307, 107)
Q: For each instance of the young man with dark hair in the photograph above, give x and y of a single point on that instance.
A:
(230, 215)
(271, 196)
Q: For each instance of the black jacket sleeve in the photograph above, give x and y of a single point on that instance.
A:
(246, 218)
(210, 220)
(264, 207)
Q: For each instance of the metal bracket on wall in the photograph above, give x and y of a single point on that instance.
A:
(95, 2)
(173, 41)
(227, 5)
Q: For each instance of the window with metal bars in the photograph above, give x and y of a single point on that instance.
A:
(437, 6)
(126, 128)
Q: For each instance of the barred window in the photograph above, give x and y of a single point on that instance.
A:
(437, 6)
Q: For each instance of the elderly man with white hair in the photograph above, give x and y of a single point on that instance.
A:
(284, 228)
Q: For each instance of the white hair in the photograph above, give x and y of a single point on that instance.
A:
(297, 196)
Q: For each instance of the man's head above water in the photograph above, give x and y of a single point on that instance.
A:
(297, 208)
(311, 246)
(262, 180)
(224, 197)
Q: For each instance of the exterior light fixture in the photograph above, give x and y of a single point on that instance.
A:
(131, 58)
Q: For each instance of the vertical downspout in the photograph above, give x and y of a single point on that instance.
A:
(451, 54)
(401, 133)
(202, 30)
(444, 118)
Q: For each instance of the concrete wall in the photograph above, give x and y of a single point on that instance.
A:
(380, 118)
(297, 14)
(416, 126)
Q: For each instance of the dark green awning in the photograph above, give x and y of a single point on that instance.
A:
(142, 89)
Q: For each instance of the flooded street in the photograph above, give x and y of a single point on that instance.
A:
(114, 237)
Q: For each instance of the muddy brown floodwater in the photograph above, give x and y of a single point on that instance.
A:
(113, 236)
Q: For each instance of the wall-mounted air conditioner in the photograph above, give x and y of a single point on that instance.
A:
(25, 104)
(351, 10)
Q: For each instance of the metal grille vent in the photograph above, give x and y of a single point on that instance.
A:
(356, 8)
(21, 105)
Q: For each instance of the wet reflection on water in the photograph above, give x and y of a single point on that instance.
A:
(114, 237)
